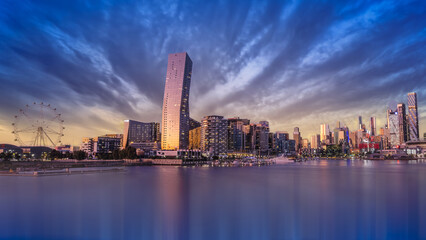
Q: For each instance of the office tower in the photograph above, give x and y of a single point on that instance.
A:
(360, 122)
(424, 136)
(402, 122)
(316, 141)
(281, 138)
(236, 134)
(214, 135)
(373, 126)
(306, 144)
(338, 124)
(140, 132)
(261, 138)
(175, 115)
(413, 118)
(325, 131)
(342, 136)
(297, 138)
(393, 125)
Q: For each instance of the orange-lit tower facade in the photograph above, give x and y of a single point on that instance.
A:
(175, 114)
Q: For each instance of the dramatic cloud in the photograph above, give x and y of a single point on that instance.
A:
(293, 63)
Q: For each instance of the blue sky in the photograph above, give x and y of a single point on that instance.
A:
(293, 63)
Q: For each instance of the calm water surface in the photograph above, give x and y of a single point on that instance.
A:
(313, 200)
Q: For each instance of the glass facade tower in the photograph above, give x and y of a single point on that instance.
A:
(175, 115)
(413, 118)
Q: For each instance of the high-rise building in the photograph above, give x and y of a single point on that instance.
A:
(413, 117)
(297, 138)
(360, 122)
(281, 139)
(315, 141)
(373, 126)
(338, 124)
(261, 138)
(236, 134)
(402, 118)
(214, 135)
(175, 122)
(140, 132)
(325, 132)
(393, 125)
(306, 144)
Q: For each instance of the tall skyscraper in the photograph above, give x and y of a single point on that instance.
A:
(360, 122)
(175, 115)
(373, 126)
(402, 122)
(413, 117)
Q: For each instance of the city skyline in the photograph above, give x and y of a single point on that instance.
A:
(353, 63)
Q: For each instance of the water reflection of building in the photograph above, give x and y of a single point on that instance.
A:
(172, 196)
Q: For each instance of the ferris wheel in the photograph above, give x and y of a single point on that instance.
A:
(38, 124)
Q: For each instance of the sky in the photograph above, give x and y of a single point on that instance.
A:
(292, 63)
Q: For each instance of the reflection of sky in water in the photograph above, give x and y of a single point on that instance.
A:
(343, 199)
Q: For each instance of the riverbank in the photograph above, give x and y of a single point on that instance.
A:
(58, 167)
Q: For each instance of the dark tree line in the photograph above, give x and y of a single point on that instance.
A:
(127, 153)
(78, 155)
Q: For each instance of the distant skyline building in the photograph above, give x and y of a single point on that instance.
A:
(260, 137)
(140, 132)
(236, 134)
(373, 126)
(403, 135)
(360, 122)
(315, 141)
(324, 132)
(175, 122)
(297, 138)
(393, 125)
(413, 117)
